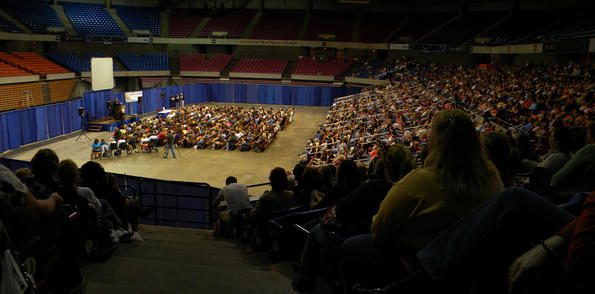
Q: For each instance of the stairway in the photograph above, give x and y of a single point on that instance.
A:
(94, 128)
(174, 260)
(15, 22)
(119, 21)
(199, 27)
(62, 15)
(251, 25)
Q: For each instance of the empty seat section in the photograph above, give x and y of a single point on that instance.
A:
(60, 90)
(32, 62)
(182, 23)
(77, 63)
(20, 95)
(92, 20)
(233, 23)
(376, 27)
(339, 24)
(203, 62)
(278, 25)
(8, 26)
(259, 65)
(140, 18)
(420, 24)
(38, 17)
(145, 62)
(307, 66)
(7, 70)
(463, 29)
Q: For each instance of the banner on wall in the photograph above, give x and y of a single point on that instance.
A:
(132, 96)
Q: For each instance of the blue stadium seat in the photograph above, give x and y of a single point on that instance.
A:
(139, 18)
(145, 62)
(38, 17)
(92, 20)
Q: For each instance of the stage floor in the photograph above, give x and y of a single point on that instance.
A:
(209, 166)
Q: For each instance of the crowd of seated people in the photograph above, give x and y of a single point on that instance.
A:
(375, 225)
(201, 127)
(57, 213)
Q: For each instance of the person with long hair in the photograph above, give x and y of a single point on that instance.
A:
(457, 176)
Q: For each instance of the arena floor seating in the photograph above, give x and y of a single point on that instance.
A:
(145, 62)
(181, 23)
(203, 62)
(141, 18)
(260, 65)
(91, 19)
(307, 66)
(32, 62)
(37, 17)
(233, 23)
(278, 25)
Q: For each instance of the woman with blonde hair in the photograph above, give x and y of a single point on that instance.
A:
(457, 176)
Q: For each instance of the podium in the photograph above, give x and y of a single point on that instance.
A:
(119, 111)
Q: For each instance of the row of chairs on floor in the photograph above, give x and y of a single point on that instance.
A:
(116, 149)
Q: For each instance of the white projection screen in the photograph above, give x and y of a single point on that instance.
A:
(102, 73)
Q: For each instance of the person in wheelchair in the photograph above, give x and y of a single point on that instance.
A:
(96, 149)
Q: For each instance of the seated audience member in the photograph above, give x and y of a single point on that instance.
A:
(561, 146)
(457, 176)
(353, 214)
(23, 173)
(500, 152)
(578, 173)
(105, 149)
(237, 199)
(95, 148)
(105, 186)
(44, 165)
(506, 226)
(311, 189)
(276, 200)
(348, 179)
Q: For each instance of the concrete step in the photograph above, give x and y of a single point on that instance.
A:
(119, 21)
(62, 15)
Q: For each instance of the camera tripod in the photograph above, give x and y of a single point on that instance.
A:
(83, 136)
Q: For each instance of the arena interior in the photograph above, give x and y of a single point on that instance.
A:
(297, 146)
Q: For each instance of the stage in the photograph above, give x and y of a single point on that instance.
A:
(209, 166)
(108, 124)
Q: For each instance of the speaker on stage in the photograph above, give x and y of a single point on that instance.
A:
(81, 111)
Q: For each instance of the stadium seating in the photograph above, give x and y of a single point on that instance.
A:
(91, 20)
(307, 66)
(32, 62)
(233, 23)
(463, 29)
(181, 24)
(339, 24)
(20, 95)
(202, 62)
(259, 65)
(519, 26)
(60, 90)
(576, 25)
(7, 26)
(376, 27)
(145, 62)
(419, 24)
(38, 17)
(77, 63)
(141, 18)
(278, 25)
(7, 70)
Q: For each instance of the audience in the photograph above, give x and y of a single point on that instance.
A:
(236, 198)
